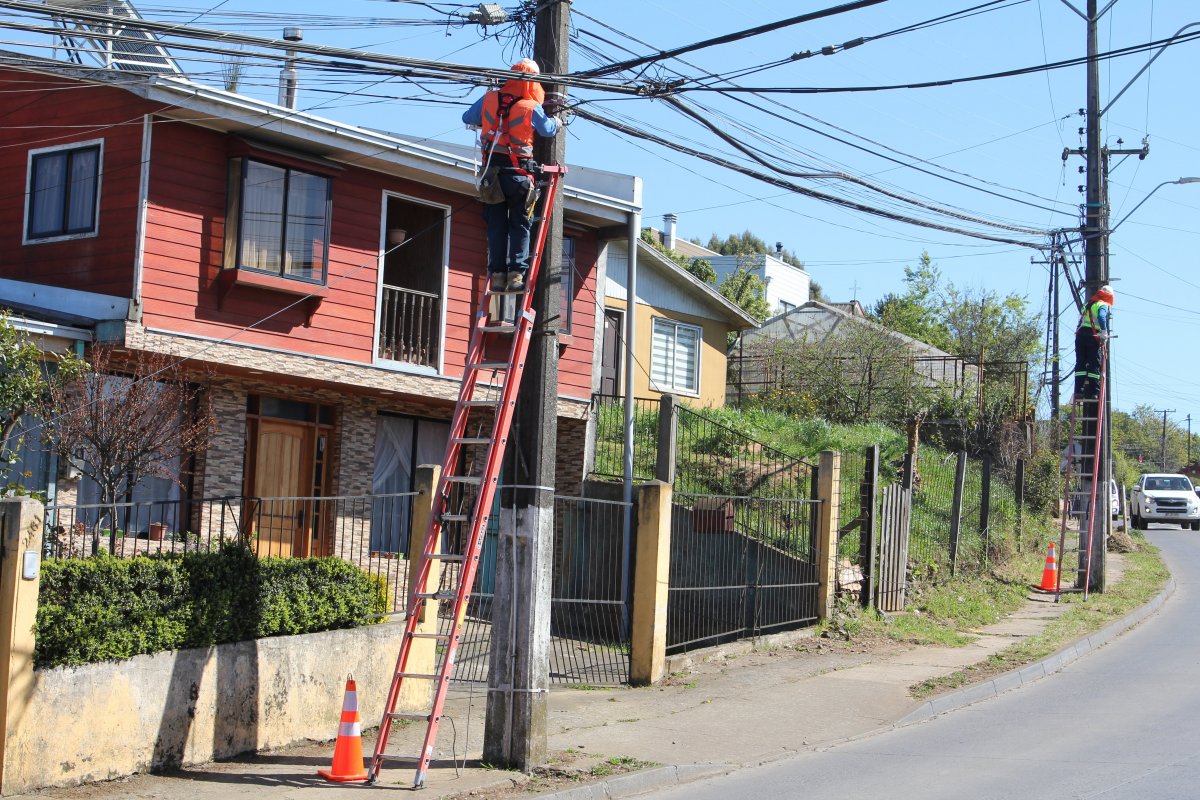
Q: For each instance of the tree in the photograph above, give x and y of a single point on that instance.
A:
(859, 373)
(26, 375)
(121, 421)
(702, 268)
(747, 291)
(966, 322)
(915, 311)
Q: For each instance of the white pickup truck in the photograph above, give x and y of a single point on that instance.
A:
(1159, 497)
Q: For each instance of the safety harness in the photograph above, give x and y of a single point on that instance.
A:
(504, 104)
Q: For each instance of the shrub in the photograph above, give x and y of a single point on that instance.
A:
(107, 609)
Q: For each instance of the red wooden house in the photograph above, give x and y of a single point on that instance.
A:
(325, 272)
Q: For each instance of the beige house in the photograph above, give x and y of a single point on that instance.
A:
(682, 327)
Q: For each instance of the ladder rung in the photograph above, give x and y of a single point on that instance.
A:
(446, 556)
(430, 635)
(423, 676)
(403, 715)
(399, 757)
(473, 480)
(489, 365)
(473, 440)
(436, 595)
(509, 291)
(454, 517)
(499, 328)
(480, 403)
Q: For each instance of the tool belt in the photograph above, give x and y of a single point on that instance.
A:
(490, 191)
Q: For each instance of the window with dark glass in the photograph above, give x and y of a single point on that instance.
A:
(63, 192)
(567, 279)
(278, 220)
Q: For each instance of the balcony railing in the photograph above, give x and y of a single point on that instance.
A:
(409, 324)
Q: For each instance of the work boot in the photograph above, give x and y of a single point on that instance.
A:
(516, 281)
(499, 281)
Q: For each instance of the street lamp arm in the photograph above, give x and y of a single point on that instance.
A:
(1117, 96)
(1147, 197)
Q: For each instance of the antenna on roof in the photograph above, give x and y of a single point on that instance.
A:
(112, 45)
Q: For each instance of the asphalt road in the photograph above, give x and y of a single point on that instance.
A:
(1122, 723)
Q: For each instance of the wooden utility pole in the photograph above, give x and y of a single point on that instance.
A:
(1164, 412)
(519, 665)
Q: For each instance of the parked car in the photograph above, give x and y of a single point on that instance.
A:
(1159, 497)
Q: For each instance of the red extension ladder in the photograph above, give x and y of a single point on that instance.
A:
(465, 492)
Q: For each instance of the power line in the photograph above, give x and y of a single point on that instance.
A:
(628, 64)
(1072, 62)
(775, 181)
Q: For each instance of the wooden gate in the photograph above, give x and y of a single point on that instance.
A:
(893, 547)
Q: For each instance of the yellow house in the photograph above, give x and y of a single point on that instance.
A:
(681, 329)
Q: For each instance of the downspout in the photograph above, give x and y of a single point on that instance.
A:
(139, 255)
(635, 232)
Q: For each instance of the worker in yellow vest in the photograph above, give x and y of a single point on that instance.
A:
(1090, 339)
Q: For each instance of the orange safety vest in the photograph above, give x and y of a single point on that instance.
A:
(508, 120)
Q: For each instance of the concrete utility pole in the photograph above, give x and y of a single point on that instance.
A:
(1164, 412)
(1095, 236)
(519, 665)
(1189, 440)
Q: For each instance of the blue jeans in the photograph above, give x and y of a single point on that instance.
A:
(508, 225)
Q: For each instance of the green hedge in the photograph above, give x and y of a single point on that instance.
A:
(107, 609)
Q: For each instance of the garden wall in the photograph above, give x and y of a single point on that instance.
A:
(102, 721)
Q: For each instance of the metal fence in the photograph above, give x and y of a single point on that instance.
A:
(712, 458)
(590, 611)
(965, 514)
(740, 566)
(371, 531)
(609, 413)
(589, 604)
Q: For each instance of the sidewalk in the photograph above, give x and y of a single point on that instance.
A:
(731, 707)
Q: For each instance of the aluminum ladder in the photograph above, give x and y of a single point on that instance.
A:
(462, 502)
(1082, 497)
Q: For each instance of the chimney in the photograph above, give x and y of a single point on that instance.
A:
(287, 76)
(779, 250)
(669, 221)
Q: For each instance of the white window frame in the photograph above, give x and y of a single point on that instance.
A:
(676, 325)
(95, 231)
(448, 218)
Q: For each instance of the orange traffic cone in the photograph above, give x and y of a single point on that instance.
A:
(347, 750)
(1050, 573)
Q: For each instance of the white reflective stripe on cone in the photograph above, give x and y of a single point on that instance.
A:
(350, 702)
(350, 729)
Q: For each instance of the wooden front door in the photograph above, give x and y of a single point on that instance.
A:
(610, 354)
(282, 472)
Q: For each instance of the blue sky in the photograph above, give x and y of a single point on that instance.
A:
(1005, 136)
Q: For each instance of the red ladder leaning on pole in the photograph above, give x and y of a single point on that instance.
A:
(462, 502)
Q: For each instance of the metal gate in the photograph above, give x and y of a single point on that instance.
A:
(740, 567)
(589, 612)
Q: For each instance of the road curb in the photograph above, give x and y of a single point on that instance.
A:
(646, 780)
(1037, 670)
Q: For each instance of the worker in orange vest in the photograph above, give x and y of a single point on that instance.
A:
(508, 119)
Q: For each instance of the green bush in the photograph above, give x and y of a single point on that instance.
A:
(108, 609)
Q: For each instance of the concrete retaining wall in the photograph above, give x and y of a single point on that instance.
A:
(110, 720)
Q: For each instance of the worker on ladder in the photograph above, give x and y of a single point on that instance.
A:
(508, 118)
(1090, 338)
